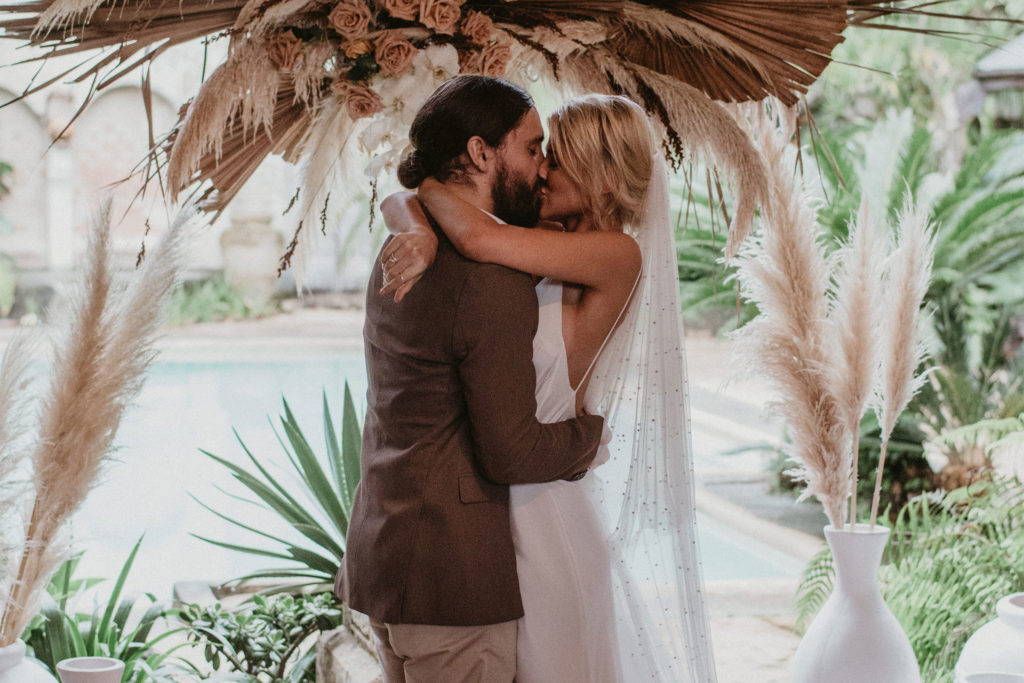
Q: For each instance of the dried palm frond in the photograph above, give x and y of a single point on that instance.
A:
(289, 127)
(319, 174)
(761, 48)
(854, 327)
(246, 82)
(693, 121)
(784, 269)
(98, 367)
(908, 269)
(728, 50)
(131, 27)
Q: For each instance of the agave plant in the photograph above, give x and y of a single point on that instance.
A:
(952, 557)
(329, 481)
(57, 632)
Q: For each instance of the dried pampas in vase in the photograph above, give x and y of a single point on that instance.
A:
(854, 328)
(99, 363)
(785, 270)
(816, 340)
(908, 272)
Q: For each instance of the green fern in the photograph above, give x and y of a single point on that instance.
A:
(949, 560)
(1001, 430)
(815, 585)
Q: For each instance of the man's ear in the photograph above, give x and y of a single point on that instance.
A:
(480, 153)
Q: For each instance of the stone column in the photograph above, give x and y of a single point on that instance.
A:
(61, 239)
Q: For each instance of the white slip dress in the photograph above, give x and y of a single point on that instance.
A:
(567, 632)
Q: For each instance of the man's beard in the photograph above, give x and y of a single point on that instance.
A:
(516, 201)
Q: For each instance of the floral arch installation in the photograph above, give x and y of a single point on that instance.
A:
(323, 83)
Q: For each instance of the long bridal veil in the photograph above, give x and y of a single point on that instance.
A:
(645, 489)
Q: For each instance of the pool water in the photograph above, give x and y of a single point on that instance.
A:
(187, 405)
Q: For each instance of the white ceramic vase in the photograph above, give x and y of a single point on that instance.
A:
(996, 648)
(15, 667)
(854, 637)
(90, 670)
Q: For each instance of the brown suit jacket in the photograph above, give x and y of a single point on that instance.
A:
(450, 423)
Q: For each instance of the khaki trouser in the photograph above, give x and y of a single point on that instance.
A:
(423, 653)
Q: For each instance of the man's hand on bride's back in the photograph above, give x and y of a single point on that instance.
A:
(404, 259)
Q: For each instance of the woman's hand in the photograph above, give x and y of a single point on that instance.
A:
(404, 259)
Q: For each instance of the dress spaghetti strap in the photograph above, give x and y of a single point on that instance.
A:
(608, 336)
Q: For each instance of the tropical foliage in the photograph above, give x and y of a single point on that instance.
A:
(328, 482)
(5, 169)
(263, 638)
(907, 69)
(978, 211)
(212, 299)
(975, 297)
(58, 631)
(951, 558)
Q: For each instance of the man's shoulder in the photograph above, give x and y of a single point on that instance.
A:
(492, 289)
(496, 271)
(499, 283)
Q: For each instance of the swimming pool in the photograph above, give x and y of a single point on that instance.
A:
(192, 401)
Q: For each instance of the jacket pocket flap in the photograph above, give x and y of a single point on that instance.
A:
(473, 489)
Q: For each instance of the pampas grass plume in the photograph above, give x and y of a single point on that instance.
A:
(854, 327)
(908, 274)
(784, 269)
(99, 363)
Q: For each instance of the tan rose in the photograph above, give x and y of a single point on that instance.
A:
(394, 53)
(440, 15)
(495, 58)
(471, 62)
(351, 18)
(355, 48)
(402, 9)
(478, 27)
(284, 48)
(360, 101)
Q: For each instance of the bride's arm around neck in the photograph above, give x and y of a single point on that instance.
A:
(598, 259)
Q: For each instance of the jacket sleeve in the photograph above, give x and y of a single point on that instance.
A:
(495, 322)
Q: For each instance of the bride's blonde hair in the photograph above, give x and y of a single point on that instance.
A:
(605, 143)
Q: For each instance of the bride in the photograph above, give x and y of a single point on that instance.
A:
(608, 566)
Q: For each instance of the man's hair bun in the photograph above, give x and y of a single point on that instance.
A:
(411, 172)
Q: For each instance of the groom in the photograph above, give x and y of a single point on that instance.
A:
(451, 411)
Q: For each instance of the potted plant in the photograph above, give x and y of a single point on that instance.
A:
(834, 335)
(250, 248)
(70, 642)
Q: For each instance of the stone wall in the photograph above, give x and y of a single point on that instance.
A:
(55, 191)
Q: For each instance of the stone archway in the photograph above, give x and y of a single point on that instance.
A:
(24, 211)
(108, 139)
